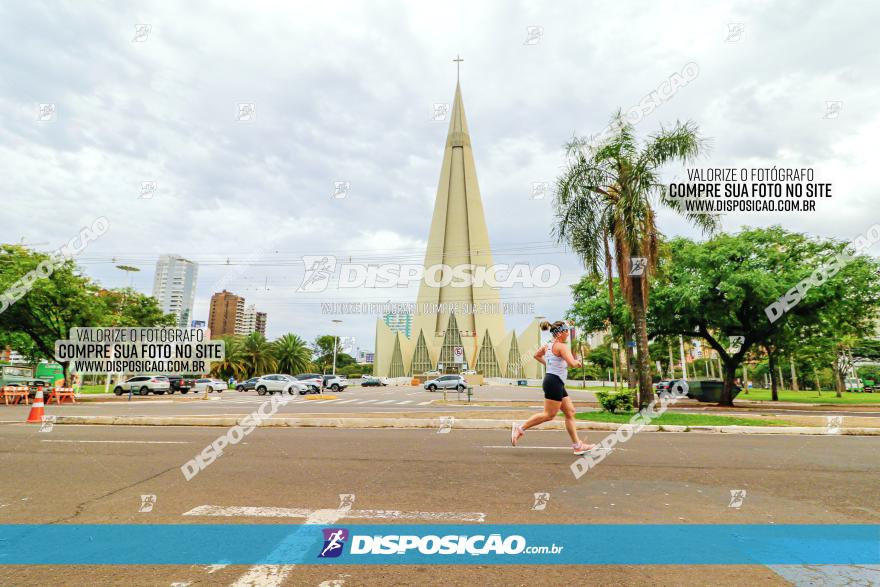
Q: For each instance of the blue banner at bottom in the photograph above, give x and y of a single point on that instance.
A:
(563, 544)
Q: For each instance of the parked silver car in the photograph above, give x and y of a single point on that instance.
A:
(446, 382)
(279, 383)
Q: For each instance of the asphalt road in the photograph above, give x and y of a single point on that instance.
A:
(97, 474)
(358, 400)
(352, 400)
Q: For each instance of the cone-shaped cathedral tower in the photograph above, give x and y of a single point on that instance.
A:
(459, 322)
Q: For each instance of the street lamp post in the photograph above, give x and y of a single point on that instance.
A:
(128, 270)
(335, 344)
(543, 367)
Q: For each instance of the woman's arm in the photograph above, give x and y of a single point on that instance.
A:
(565, 353)
(539, 356)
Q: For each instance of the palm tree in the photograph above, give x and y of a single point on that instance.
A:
(257, 355)
(232, 364)
(291, 353)
(608, 191)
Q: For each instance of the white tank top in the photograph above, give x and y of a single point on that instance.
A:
(555, 364)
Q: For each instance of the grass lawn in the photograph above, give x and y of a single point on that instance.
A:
(94, 389)
(811, 397)
(676, 419)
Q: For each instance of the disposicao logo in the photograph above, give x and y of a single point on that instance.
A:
(334, 542)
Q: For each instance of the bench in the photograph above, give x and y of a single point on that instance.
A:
(60, 394)
(16, 394)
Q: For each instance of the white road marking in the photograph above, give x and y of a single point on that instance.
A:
(274, 575)
(122, 441)
(214, 568)
(264, 576)
(548, 447)
(432, 516)
(348, 401)
(338, 582)
(403, 402)
(256, 512)
(387, 401)
(366, 401)
(273, 512)
(426, 403)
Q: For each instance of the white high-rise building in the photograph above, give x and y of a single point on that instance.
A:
(174, 285)
(251, 321)
(248, 321)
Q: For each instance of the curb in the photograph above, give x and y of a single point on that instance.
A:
(468, 424)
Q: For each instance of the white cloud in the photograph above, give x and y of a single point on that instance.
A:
(343, 92)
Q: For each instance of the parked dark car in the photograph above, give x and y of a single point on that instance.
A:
(373, 382)
(179, 383)
(661, 386)
(248, 385)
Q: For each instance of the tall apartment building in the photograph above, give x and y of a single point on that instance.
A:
(252, 321)
(260, 323)
(174, 285)
(226, 315)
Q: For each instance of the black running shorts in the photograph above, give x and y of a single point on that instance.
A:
(554, 387)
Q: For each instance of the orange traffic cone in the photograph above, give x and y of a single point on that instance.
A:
(36, 415)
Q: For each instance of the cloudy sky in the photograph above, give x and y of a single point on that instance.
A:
(344, 92)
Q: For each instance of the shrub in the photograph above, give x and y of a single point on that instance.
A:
(615, 402)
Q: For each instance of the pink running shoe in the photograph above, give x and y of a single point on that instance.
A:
(516, 432)
(582, 447)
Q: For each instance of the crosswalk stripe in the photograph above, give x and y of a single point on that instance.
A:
(387, 401)
(366, 401)
(348, 401)
(409, 401)
(425, 403)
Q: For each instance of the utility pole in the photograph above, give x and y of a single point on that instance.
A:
(684, 374)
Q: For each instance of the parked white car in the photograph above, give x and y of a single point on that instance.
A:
(335, 382)
(314, 381)
(144, 384)
(280, 383)
(210, 385)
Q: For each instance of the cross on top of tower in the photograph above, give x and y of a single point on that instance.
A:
(457, 62)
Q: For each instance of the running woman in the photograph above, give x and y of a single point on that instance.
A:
(557, 357)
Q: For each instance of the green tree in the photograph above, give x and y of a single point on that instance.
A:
(127, 307)
(257, 354)
(52, 304)
(233, 363)
(724, 287)
(324, 353)
(608, 191)
(292, 354)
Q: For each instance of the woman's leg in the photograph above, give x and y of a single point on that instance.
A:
(568, 410)
(551, 408)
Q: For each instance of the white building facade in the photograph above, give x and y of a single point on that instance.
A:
(174, 285)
